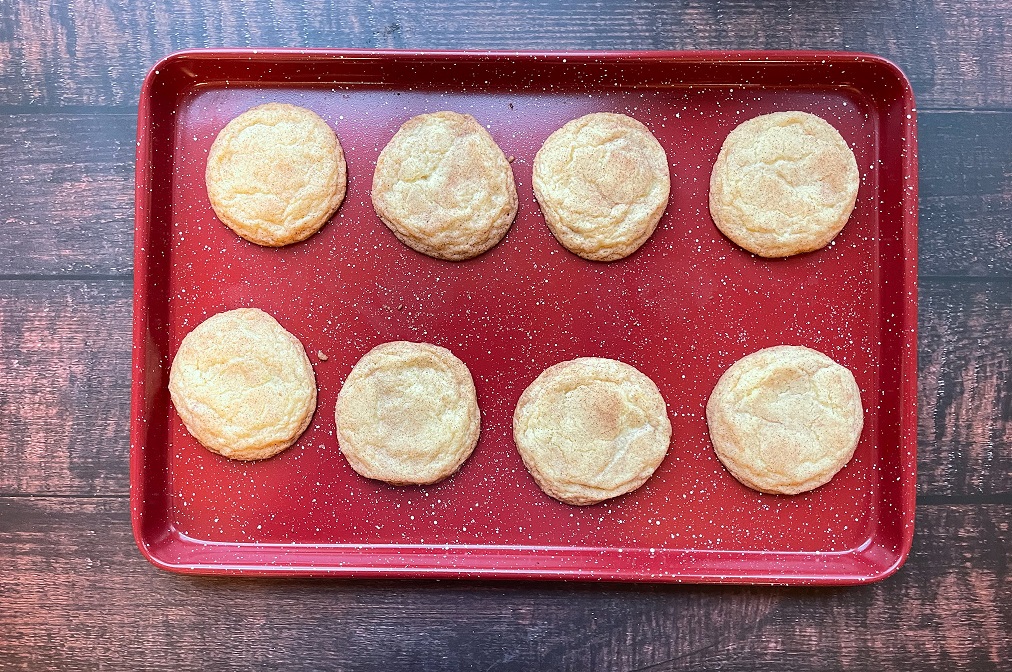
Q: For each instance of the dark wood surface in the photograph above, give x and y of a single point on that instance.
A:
(76, 594)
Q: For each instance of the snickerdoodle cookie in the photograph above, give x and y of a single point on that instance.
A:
(602, 182)
(785, 419)
(443, 186)
(242, 385)
(407, 414)
(783, 184)
(591, 429)
(275, 174)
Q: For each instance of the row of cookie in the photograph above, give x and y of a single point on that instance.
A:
(783, 183)
(782, 420)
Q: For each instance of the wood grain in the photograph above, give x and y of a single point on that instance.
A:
(944, 610)
(96, 53)
(110, 609)
(966, 194)
(64, 395)
(64, 386)
(66, 194)
(965, 380)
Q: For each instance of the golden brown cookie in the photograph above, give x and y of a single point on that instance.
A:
(243, 385)
(783, 184)
(785, 419)
(591, 429)
(444, 187)
(602, 182)
(407, 414)
(276, 174)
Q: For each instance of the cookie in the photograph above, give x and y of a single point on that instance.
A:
(783, 184)
(785, 420)
(602, 182)
(407, 414)
(242, 385)
(444, 188)
(275, 174)
(591, 429)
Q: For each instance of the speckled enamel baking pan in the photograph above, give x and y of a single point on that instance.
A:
(682, 309)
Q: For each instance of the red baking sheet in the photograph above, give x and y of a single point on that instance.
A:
(682, 309)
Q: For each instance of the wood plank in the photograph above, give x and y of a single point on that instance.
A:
(67, 194)
(64, 386)
(65, 407)
(966, 194)
(965, 380)
(96, 53)
(67, 191)
(946, 609)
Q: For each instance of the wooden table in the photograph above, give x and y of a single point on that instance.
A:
(75, 592)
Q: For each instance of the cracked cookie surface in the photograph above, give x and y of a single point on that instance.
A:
(444, 188)
(602, 182)
(591, 429)
(785, 419)
(243, 385)
(275, 174)
(783, 184)
(407, 414)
